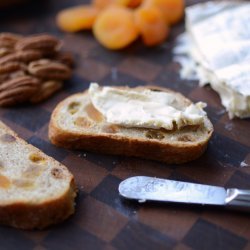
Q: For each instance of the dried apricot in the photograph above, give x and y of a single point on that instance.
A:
(115, 27)
(151, 25)
(172, 10)
(77, 18)
(130, 3)
(101, 4)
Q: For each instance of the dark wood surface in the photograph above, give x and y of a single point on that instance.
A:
(102, 219)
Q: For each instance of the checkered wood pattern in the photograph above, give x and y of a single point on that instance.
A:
(102, 219)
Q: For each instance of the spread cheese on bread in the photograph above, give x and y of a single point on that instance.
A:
(82, 121)
(145, 109)
(35, 190)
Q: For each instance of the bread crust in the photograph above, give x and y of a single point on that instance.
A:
(115, 144)
(38, 215)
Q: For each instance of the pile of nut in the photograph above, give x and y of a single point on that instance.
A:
(31, 68)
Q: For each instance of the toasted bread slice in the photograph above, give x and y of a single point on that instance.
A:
(76, 124)
(35, 190)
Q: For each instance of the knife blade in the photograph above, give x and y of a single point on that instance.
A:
(143, 188)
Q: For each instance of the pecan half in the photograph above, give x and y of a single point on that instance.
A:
(10, 67)
(16, 74)
(17, 90)
(4, 77)
(46, 90)
(5, 51)
(19, 82)
(40, 42)
(48, 69)
(6, 44)
(8, 40)
(21, 56)
(11, 75)
(15, 96)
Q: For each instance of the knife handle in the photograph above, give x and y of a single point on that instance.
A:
(238, 198)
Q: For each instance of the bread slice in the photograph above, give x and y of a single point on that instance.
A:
(35, 190)
(76, 124)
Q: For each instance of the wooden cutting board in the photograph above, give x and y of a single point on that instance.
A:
(102, 219)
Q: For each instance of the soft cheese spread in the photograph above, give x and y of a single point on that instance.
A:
(144, 108)
(219, 36)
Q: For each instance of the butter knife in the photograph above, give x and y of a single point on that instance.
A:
(143, 188)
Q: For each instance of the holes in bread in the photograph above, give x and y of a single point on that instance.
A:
(73, 107)
(4, 182)
(57, 173)
(154, 134)
(7, 138)
(112, 129)
(83, 122)
(23, 183)
(32, 171)
(93, 113)
(186, 138)
(36, 158)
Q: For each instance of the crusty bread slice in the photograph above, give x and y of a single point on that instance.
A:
(76, 124)
(35, 190)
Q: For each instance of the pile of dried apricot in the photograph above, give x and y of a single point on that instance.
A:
(117, 23)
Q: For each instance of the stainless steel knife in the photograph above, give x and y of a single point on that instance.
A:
(143, 188)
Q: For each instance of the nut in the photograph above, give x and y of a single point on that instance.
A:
(5, 51)
(4, 77)
(16, 74)
(11, 37)
(17, 90)
(15, 96)
(46, 90)
(10, 67)
(19, 82)
(48, 69)
(31, 68)
(38, 42)
(8, 40)
(21, 56)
